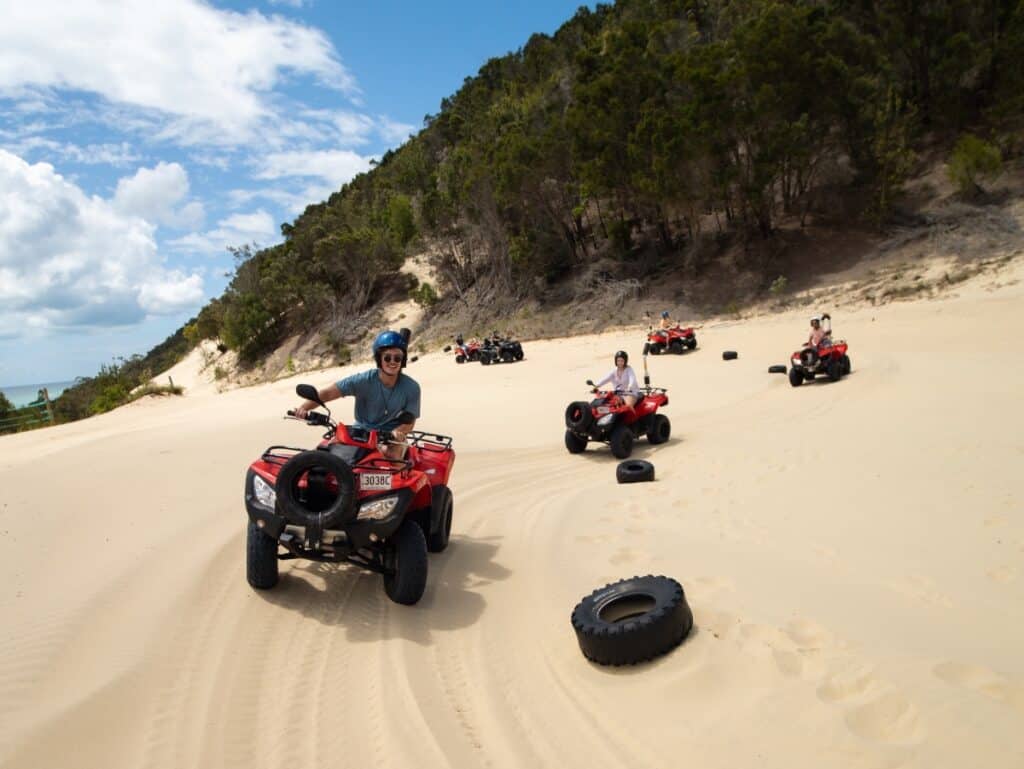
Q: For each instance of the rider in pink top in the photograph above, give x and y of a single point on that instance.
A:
(623, 379)
(818, 333)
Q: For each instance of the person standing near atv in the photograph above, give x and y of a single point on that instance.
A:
(818, 333)
(382, 394)
(623, 379)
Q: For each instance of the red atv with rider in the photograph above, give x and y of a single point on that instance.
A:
(609, 420)
(675, 340)
(828, 357)
(465, 350)
(349, 501)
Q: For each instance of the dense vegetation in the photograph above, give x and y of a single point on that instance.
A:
(636, 128)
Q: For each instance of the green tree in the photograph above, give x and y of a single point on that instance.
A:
(973, 159)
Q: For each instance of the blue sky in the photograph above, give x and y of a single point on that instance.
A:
(139, 140)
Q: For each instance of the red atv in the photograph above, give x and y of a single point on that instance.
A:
(347, 501)
(465, 350)
(609, 420)
(829, 358)
(676, 340)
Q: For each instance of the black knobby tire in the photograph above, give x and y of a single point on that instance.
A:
(780, 369)
(621, 442)
(657, 348)
(406, 557)
(260, 558)
(634, 471)
(474, 356)
(442, 505)
(519, 353)
(692, 342)
(796, 377)
(676, 346)
(460, 358)
(660, 429)
(485, 358)
(576, 444)
(835, 369)
(578, 416)
(730, 355)
(341, 511)
(847, 366)
(632, 620)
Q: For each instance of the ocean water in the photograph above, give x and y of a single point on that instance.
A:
(22, 395)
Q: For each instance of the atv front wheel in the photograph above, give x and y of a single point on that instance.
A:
(660, 429)
(847, 367)
(260, 558)
(574, 443)
(657, 348)
(460, 358)
(676, 346)
(621, 442)
(406, 558)
(795, 377)
(692, 342)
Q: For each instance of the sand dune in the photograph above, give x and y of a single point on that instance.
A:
(853, 553)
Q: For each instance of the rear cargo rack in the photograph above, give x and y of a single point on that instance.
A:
(429, 441)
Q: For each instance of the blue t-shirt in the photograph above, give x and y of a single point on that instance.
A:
(377, 406)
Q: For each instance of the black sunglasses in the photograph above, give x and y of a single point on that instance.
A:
(392, 358)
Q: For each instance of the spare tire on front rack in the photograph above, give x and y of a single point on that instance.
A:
(312, 505)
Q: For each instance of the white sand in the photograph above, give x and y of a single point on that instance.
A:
(853, 553)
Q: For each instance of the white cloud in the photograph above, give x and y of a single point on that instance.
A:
(235, 230)
(393, 132)
(290, 3)
(68, 260)
(334, 166)
(157, 195)
(212, 69)
(294, 202)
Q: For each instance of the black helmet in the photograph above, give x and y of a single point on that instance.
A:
(459, 339)
(621, 354)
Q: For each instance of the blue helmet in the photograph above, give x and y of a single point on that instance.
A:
(664, 313)
(387, 339)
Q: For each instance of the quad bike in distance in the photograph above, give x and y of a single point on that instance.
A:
(829, 357)
(349, 501)
(607, 419)
(674, 340)
(499, 349)
(465, 351)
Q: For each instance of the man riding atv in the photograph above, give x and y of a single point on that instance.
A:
(818, 332)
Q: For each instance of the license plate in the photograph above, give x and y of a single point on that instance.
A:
(603, 410)
(374, 481)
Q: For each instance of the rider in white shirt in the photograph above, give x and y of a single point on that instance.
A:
(623, 379)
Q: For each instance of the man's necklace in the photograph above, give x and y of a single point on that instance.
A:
(385, 396)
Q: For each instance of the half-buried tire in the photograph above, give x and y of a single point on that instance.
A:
(780, 369)
(634, 471)
(632, 620)
(730, 355)
(316, 507)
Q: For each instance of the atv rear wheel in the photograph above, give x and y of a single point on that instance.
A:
(574, 443)
(835, 369)
(796, 378)
(621, 442)
(406, 557)
(441, 507)
(660, 429)
(260, 558)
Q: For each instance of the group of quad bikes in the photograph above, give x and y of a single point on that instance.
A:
(350, 501)
(493, 349)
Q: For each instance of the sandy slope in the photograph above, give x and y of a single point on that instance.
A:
(853, 552)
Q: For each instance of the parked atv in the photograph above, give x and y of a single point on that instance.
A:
(609, 420)
(675, 340)
(828, 357)
(347, 501)
(498, 349)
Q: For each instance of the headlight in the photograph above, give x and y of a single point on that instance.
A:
(606, 420)
(264, 492)
(377, 509)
